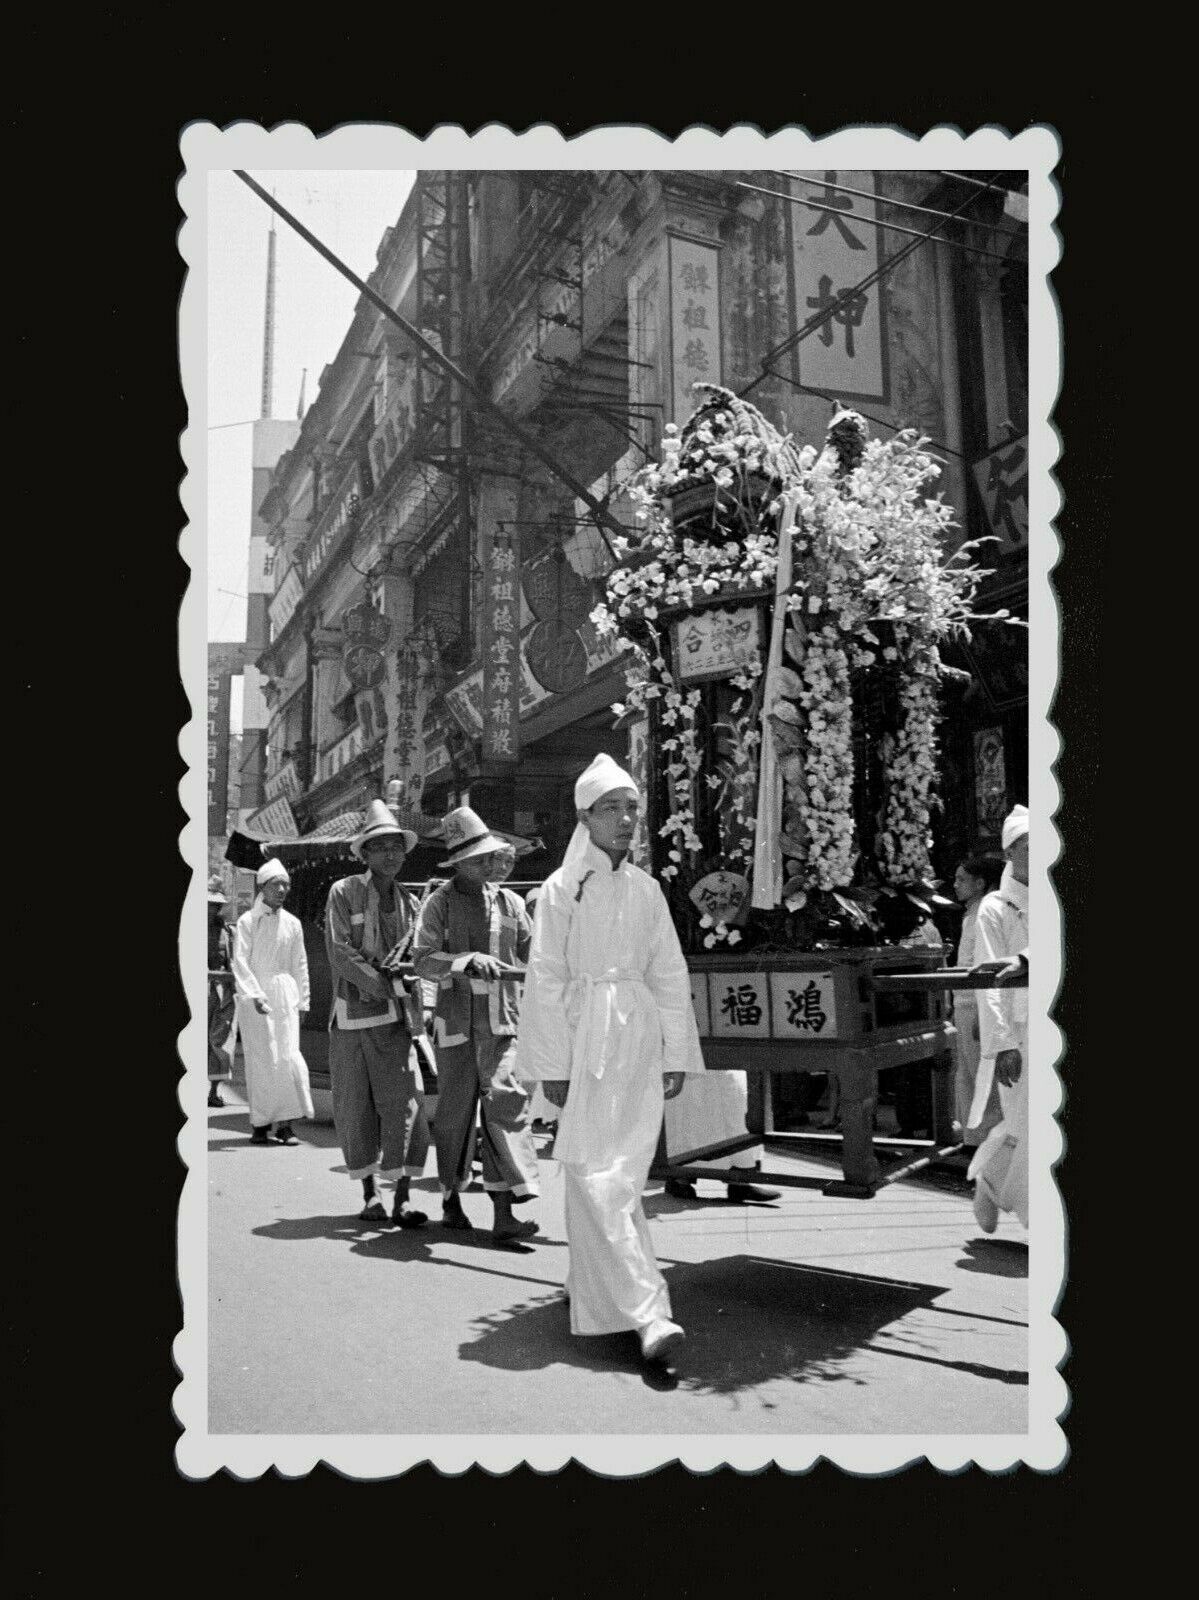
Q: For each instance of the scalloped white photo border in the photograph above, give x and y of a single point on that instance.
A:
(205, 148)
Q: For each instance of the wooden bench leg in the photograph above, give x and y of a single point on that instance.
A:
(859, 1098)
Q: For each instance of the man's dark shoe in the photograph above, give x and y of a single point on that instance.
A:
(681, 1188)
(214, 1096)
(751, 1191)
(259, 1136)
(403, 1216)
(284, 1135)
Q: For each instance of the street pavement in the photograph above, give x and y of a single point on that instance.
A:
(814, 1315)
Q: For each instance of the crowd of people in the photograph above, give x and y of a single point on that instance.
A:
(583, 1005)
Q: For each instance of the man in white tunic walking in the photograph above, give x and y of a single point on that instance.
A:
(1000, 1168)
(270, 975)
(606, 1018)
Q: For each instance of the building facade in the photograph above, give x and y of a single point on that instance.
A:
(476, 519)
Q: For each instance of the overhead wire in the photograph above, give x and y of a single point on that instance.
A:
(815, 322)
(873, 222)
(886, 199)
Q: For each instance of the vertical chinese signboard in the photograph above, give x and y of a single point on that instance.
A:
(1002, 479)
(501, 649)
(219, 691)
(694, 276)
(833, 249)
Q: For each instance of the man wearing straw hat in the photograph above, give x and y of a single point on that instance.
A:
(1000, 1166)
(376, 1106)
(472, 932)
(270, 973)
(606, 1017)
(221, 1010)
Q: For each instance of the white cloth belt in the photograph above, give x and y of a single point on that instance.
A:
(587, 1054)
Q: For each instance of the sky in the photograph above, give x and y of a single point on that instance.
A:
(346, 210)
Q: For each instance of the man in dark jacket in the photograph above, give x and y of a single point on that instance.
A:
(470, 934)
(377, 1111)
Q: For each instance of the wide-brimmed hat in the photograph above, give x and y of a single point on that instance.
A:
(467, 835)
(216, 892)
(380, 824)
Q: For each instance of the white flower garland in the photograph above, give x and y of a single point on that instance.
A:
(869, 549)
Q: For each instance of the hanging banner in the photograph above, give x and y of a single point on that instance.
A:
(694, 277)
(406, 750)
(1002, 479)
(276, 821)
(364, 633)
(833, 249)
(501, 649)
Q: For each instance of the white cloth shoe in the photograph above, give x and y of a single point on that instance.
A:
(660, 1339)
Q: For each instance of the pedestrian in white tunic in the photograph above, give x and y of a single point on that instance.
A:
(270, 975)
(975, 877)
(606, 1019)
(1000, 1167)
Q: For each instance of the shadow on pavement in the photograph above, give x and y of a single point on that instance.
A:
(1001, 1258)
(748, 1320)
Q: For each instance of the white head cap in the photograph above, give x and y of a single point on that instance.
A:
(273, 868)
(600, 778)
(1015, 824)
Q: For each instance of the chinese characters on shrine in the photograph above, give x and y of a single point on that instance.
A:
(501, 650)
(834, 248)
(717, 644)
(759, 1005)
(694, 271)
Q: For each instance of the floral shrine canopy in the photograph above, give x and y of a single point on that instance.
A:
(784, 609)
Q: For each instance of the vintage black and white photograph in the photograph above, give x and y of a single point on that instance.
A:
(620, 600)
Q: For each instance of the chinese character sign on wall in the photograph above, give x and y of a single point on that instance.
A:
(1002, 478)
(833, 249)
(694, 271)
(501, 649)
(219, 690)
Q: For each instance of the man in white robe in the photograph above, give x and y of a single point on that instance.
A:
(270, 975)
(1000, 1167)
(606, 1018)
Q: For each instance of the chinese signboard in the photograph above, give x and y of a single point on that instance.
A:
(833, 249)
(717, 643)
(341, 511)
(699, 1000)
(285, 782)
(1002, 479)
(364, 633)
(721, 895)
(990, 781)
(803, 1005)
(501, 649)
(219, 690)
(694, 274)
(406, 745)
(759, 1005)
(275, 821)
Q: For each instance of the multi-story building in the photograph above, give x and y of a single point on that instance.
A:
(581, 307)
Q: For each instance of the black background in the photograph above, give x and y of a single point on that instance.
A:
(92, 1491)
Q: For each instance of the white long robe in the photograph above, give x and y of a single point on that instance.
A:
(607, 1005)
(1001, 1162)
(269, 964)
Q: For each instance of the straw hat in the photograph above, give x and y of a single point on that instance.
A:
(381, 824)
(468, 835)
